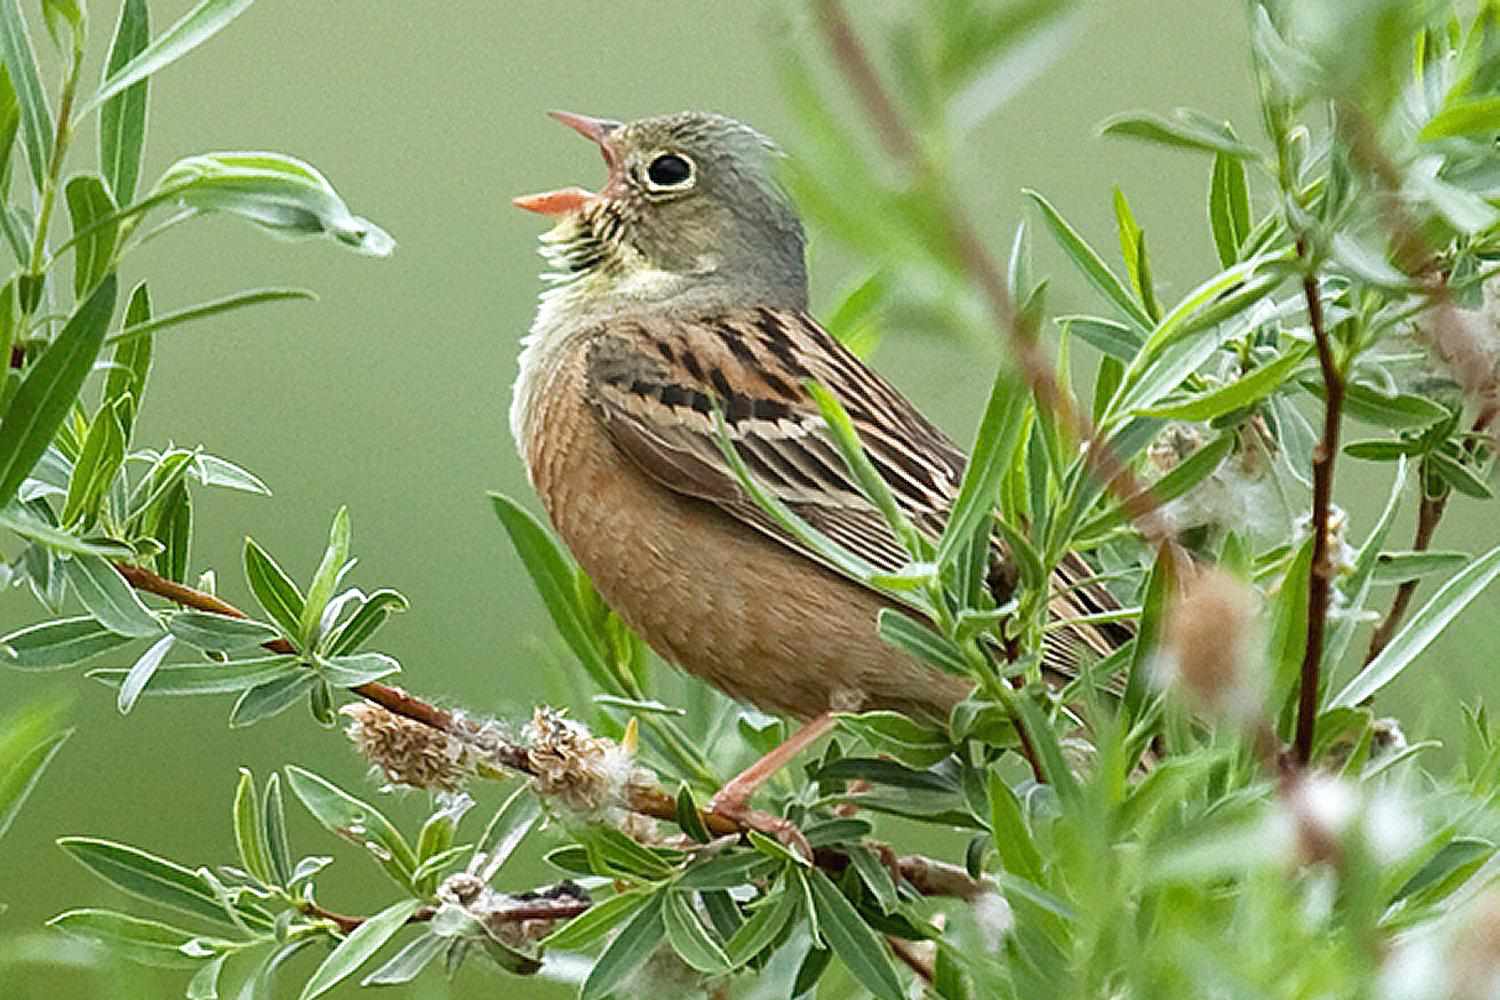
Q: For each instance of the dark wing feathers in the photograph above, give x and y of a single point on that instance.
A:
(654, 384)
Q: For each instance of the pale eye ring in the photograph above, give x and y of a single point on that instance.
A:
(669, 172)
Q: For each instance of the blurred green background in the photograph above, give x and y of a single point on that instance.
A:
(391, 393)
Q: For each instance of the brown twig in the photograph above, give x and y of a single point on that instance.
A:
(392, 699)
(347, 924)
(1320, 582)
(1429, 513)
(900, 141)
(1472, 367)
(927, 875)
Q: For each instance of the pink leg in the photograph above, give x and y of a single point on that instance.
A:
(733, 800)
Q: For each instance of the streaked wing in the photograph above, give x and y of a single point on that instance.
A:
(654, 384)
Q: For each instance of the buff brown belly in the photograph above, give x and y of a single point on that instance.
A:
(709, 594)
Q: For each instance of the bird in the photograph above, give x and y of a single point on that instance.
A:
(678, 298)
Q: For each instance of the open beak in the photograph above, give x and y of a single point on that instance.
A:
(565, 200)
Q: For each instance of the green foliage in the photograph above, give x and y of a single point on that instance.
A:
(1147, 829)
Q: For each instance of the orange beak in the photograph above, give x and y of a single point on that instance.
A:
(565, 200)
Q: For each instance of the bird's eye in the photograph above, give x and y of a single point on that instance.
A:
(670, 170)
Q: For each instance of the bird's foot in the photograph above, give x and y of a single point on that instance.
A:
(735, 807)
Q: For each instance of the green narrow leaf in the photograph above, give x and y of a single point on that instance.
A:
(193, 679)
(1130, 234)
(249, 832)
(10, 125)
(49, 389)
(871, 483)
(360, 668)
(1090, 263)
(409, 961)
(122, 118)
(1018, 852)
(1288, 640)
(140, 675)
(94, 472)
(145, 942)
(1115, 339)
(107, 597)
(765, 925)
(372, 614)
(1398, 567)
(36, 115)
(552, 574)
(1474, 116)
(326, 577)
(850, 938)
(356, 821)
(193, 29)
(175, 533)
(1161, 585)
(1234, 395)
(1187, 130)
(90, 206)
(276, 192)
(507, 828)
(20, 775)
(205, 982)
(274, 590)
(876, 877)
(153, 879)
(132, 359)
(212, 470)
(357, 948)
(273, 832)
(1228, 208)
(1422, 628)
(994, 446)
(689, 938)
(202, 310)
(597, 921)
(65, 642)
(271, 698)
(628, 951)
(217, 633)
(1049, 753)
(906, 633)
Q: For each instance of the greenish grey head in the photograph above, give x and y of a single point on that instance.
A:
(691, 195)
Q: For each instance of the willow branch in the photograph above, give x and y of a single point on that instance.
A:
(1320, 581)
(926, 875)
(901, 143)
(1429, 513)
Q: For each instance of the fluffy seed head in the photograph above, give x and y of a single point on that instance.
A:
(1210, 646)
(406, 752)
(587, 774)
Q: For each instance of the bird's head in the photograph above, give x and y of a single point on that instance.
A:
(691, 206)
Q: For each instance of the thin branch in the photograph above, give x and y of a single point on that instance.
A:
(927, 875)
(901, 142)
(1471, 364)
(1428, 515)
(392, 699)
(348, 925)
(1320, 582)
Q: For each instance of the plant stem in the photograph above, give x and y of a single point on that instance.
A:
(392, 699)
(1428, 515)
(63, 136)
(975, 261)
(1320, 580)
(927, 875)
